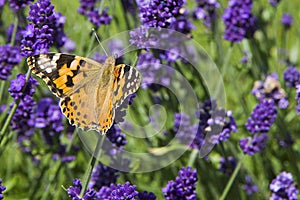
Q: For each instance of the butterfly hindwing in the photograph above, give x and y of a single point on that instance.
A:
(127, 81)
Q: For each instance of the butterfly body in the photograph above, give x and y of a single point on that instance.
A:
(89, 92)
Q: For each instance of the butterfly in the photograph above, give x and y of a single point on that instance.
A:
(89, 92)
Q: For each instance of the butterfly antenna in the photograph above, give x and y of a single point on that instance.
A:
(99, 41)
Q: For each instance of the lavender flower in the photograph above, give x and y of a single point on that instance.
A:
(2, 188)
(274, 3)
(22, 120)
(160, 13)
(48, 118)
(262, 117)
(283, 187)
(152, 71)
(116, 137)
(102, 176)
(287, 20)
(74, 191)
(216, 122)
(239, 20)
(18, 36)
(45, 28)
(253, 145)
(184, 187)
(142, 38)
(227, 165)
(249, 186)
(125, 191)
(291, 76)
(184, 128)
(245, 58)
(206, 11)
(270, 88)
(146, 196)
(286, 140)
(96, 17)
(18, 4)
(9, 57)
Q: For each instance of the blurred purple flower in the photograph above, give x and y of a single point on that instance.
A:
(116, 137)
(245, 58)
(2, 188)
(18, 36)
(262, 117)
(96, 16)
(249, 186)
(49, 117)
(18, 4)
(274, 3)
(160, 13)
(253, 145)
(238, 20)
(152, 71)
(9, 57)
(283, 187)
(291, 76)
(141, 38)
(102, 175)
(17, 87)
(184, 187)
(74, 191)
(215, 122)
(146, 196)
(287, 20)
(286, 140)
(45, 28)
(184, 128)
(227, 165)
(129, 6)
(270, 88)
(206, 11)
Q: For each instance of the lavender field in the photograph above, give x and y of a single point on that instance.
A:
(187, 99)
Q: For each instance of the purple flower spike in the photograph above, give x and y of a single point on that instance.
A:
(283, 187)
(18, 4)
(262, 117)
(239, 20)
(253, 145)
(9, 57)
(287, 20)
(160, 14)
(102, 176)
(45, 29)
(74, 191)
(184, 187)
(206, 11)
(2, 188)
(291, 76)
(249, 186)
(125, 191)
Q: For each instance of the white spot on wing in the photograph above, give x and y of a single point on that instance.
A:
(48, 70)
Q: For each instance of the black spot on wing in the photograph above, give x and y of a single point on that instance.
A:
(69, 82)
(64, 59)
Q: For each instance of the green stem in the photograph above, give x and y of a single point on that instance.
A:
(88, 172)
(193, 157)
(14, 33)
(13, 110)
(232, 178)
(226, 61)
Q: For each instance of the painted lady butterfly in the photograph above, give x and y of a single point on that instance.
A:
(89, 92)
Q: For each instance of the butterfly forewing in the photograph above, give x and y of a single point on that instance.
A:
(89, 92)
